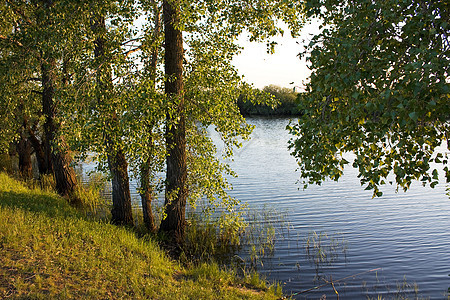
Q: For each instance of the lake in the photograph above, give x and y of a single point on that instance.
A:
(394, 246)
(389, 246)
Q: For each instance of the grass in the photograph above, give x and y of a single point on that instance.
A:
(50, 250)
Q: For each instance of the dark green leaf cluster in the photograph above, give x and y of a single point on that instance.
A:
(379, 88)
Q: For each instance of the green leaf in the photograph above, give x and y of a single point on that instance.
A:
(413, 116)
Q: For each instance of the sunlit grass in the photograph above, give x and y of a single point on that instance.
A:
(50, 250)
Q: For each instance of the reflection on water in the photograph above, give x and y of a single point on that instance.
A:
(394, 246)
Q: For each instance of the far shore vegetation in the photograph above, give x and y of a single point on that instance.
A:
(286, 103)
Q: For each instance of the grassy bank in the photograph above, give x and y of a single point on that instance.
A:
(50, 250)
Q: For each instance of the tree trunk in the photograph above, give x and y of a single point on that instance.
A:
(23, 148)
(44, 165)
(117, 163)
(147, 197)
(176, 174)
(121, 211)
(56, 149)
(146, 190)
(65, 178)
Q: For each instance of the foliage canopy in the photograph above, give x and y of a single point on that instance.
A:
(379, 88)
(107, 59)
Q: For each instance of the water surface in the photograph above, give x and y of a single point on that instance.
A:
(394, 246)
(384, 246)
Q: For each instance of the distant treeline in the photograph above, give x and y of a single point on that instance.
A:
(285, 97)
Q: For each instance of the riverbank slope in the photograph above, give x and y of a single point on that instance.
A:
(51, 250)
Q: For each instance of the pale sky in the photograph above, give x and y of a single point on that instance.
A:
(280, 68)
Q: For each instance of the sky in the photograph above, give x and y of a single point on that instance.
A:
(281, 68)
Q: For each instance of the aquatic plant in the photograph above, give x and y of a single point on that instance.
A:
(398, 290)
(323, 249)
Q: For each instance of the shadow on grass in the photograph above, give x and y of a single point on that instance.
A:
(38, 202)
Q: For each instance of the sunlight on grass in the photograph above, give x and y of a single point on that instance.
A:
(50, 250)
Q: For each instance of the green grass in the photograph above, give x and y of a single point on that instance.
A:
(50, 250)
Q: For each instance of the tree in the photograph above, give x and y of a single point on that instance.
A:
(117, 162)
(42, 34)
(379, 88)
(18, 113)
(149, 161)
(201, 97)
(102, 88)
(115, 110)
(176, 173)
(104, 106)
(20, 103)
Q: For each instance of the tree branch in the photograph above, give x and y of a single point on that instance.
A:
(132, 51)
(132, 40)
(5, 38)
